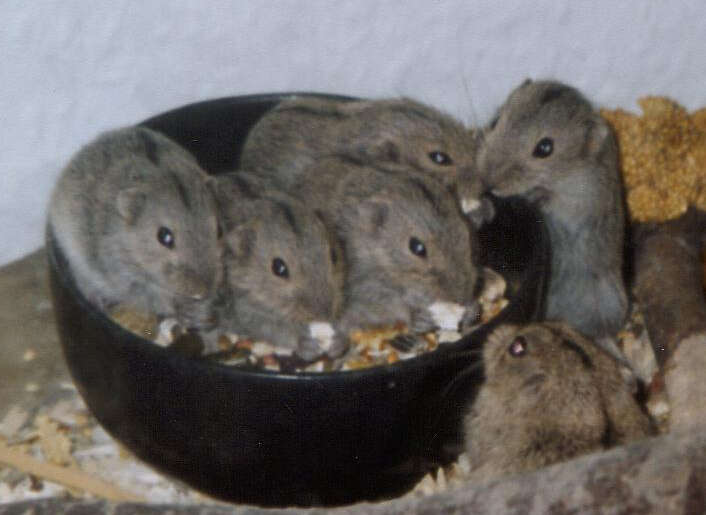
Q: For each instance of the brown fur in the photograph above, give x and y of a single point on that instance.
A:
(562, 398)
(262, 225)
(376, 212)
(298, 132)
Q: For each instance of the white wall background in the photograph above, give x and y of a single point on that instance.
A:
(70, 69)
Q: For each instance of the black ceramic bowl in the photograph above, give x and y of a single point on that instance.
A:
(277, 439)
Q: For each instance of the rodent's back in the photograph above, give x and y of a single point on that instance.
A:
(295, 134)
(289, 137)
(550, 394)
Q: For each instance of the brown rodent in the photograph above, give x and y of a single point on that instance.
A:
(549, 395)
(284, 270)
(294, 135)
(137, 223)
(547, 144)
(408, 249)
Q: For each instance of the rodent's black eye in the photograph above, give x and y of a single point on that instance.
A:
(544, 148)
(518, 347)
(334, 256)
(279, 268)
(165, 237)
(440, 158)
(417, 247)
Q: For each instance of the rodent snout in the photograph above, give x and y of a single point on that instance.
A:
(191, 284)
(502, 180)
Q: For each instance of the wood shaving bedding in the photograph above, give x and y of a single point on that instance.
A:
(63, 452)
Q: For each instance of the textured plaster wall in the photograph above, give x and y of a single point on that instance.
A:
(73, 68)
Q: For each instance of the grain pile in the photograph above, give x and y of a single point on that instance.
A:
(663, 158)
(369, 347)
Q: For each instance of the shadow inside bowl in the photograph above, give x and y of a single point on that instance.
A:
(276, 439)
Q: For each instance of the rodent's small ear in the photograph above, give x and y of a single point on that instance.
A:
(150, 145)
(241, 240)
(131, 202)
(218, 191)
(212, 185)
(526, 82)
(386, 151)
(598, 135)
(373, 214)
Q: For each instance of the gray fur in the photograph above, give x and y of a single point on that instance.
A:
(561, 398)
(578, 190)
(106, 210)
(298, 132)
(375, 212)
(261, 225)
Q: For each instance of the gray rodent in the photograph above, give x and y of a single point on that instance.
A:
(134, 217)
(294, 135)
(408, 248)
(548, 145)
(549, 395)
(283, 267)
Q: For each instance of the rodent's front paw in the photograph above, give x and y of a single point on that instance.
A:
(324, 333)
(471, 318)
(332, 342)
(309, 349)
(447, 315)
(470, 205)
(321, 339)
(478, 211)
(339, 346)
